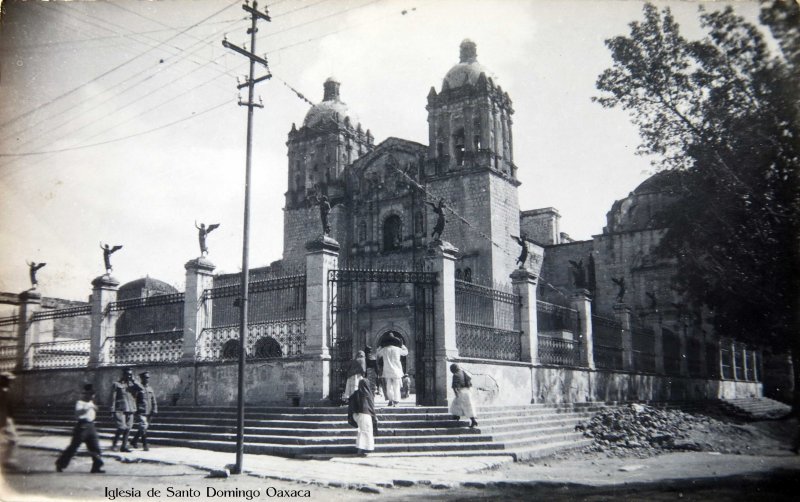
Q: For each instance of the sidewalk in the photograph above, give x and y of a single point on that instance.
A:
(448, 471)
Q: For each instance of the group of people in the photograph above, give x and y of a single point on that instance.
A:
(131, 401)
(360, 394)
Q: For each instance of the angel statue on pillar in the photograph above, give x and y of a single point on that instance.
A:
(440, 219)
(107, 252)
(33, 267)
(620, 288)
(523, 253)
(202, 233)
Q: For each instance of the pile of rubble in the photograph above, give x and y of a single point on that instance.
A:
(639, 430)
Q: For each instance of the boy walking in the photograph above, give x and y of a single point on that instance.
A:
(84, 432)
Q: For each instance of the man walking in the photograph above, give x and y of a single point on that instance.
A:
(146, 407)
(392, 367)
(123, 406)
(84, 432)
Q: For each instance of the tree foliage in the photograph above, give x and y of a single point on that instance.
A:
(723, 110)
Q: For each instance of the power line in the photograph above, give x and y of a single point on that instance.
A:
(115, 140)
(108, 72)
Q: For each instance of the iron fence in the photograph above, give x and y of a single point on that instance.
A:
(222, 343)
(607, 341)
(487, 322)
(62, 313)
(145, 348)
(152, 314)
(559, 351)
(61, 354)
(488, 343)
(556, 318)
(672, 352)
(271, 300)
(644, 344)
(8, 357)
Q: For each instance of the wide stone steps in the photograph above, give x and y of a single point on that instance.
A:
(515, 430)
(762, 408)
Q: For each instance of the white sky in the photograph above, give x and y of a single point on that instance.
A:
(82, 73)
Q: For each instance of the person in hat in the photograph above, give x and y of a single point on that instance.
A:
(123, 407)
(392, 367)
(462, 403)
(8, 431)
(84, 432)
(146, 407)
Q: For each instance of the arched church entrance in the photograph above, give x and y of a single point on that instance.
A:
(362, 300)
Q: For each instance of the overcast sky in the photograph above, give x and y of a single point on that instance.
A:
(119, 122)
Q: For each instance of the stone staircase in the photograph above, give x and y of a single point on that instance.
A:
(524, 431)
(756, 408)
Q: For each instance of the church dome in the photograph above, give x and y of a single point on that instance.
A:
(331, 109)
(468, 69)
(640, 209)
(144, 287)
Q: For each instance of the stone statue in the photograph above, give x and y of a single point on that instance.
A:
(523, 253)
(32, 268)
(440, 219)
(107, 252)
(324, 211)
(578, 274)
(202, 233)
(621, 288)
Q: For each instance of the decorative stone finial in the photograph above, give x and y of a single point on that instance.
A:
(469, 51)
(331, 87)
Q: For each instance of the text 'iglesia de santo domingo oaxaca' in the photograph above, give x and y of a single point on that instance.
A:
(424, 242)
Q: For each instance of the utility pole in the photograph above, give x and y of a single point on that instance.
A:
(255, 15)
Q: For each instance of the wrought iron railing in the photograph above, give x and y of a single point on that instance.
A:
(61, 354)
(276, 299)
(8, 357)
(644, 343)
(644, 362)
(483, 306)
(607, 340)
(373, 275)
(62, 313)
(145, 348)
(559, 351)
(220, 343)
(487, 343)
(9, 321)
(556, 318)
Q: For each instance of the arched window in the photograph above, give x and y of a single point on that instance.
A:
(230, 350)
(268, 347)
(458, 274)
(468, 274)
(392, 233)
(458, 147)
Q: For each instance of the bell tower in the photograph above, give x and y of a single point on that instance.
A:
(469, 121)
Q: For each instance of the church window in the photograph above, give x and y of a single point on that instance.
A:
(458, 147)
(230, 350)
(268, 347)
(392, 233)
(468, 274)
(362, 231)
(459, 275)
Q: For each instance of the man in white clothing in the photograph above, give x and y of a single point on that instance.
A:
(392, 367)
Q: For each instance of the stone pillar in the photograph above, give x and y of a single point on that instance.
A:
(581, 302)
(623, 315)
(196, 312)
(745, 363)
(524, 282)
(104, 291)
(754, 364)
(733, 360)
(28, 334)
(322, 256)
(440, 259)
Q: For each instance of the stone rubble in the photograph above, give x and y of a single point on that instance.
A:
(643, 431)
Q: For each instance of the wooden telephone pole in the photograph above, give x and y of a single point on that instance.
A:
(251, 82)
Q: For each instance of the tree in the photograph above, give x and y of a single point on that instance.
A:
(723, 113)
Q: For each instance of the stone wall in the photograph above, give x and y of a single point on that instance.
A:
(209, 384)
